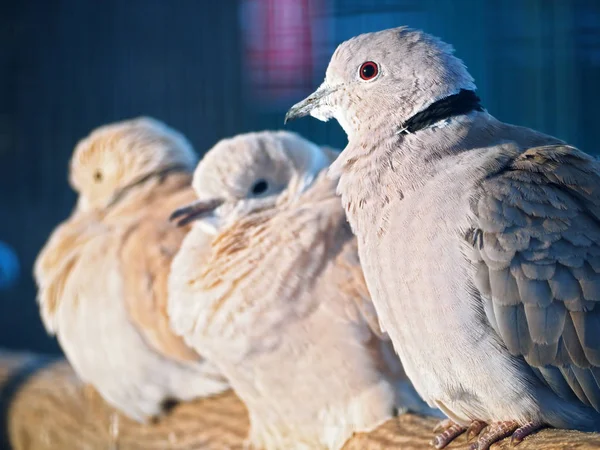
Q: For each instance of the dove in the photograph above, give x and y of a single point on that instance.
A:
(102, 275)
(479, 240)
(280, 305)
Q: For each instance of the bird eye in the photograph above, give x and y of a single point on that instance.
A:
(368, 70)
(260, 187)
(98, 176)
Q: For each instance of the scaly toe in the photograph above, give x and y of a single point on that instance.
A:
(474, 429)
(495, 432)
(448, 435)
(524, 431)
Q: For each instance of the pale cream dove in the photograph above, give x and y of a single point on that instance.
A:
(102, 276)
(281, 305)
(480, 240)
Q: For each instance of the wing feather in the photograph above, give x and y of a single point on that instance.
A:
(536, 267)
(57, 260)
(264, 266)
(147, 249)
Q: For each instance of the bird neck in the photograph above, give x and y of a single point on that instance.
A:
(375, 170)
(160, 176)
(445, 108)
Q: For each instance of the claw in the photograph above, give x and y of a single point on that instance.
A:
(495, 432)
(524, 431)
(452, 431)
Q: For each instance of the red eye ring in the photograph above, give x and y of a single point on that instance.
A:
(368, 70)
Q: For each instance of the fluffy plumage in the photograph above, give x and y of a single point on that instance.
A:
(102, 276)
(281, 305)
(479, 239)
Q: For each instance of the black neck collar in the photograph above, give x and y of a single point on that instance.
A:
(454, 105)
(161, 175)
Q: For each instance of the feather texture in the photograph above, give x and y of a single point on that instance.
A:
(557, 285)
(102, 276)
(281, 304)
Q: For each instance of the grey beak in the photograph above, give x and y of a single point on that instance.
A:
(304, 107)
(194, 211)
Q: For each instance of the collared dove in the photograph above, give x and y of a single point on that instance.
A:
(281, 305)
(480, 240)
(102, 276)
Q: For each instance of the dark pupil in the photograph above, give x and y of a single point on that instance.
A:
(260, 187)
(368, 70)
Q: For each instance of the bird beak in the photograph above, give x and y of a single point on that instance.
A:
(310, 104)
(200, 209)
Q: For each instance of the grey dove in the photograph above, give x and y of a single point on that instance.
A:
(480, 240)
(102, 276)
(280, 304)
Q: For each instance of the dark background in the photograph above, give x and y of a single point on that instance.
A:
(216, 68)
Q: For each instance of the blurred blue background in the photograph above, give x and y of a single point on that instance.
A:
(214, 69)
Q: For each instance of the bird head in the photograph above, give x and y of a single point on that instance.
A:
(118, 155)
(384, 78)
(250, 172)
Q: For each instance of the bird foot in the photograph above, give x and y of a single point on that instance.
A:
(474, 429)
(500, 430)
(448, 431)
(524, 431)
